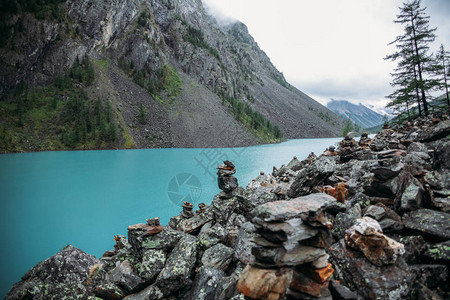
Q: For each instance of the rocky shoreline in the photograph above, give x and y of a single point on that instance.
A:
(368, 220)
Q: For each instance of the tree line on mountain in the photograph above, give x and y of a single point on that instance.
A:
(419, 72)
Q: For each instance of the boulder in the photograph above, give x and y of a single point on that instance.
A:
(227, 183)
(341, 292)
(306, 285)
(375, 212)
(177, 271)
(387, 169)
(206, 284)
(415, 247)
(125, 277)
(439, 252)
(267, 284)
(290, 231)
(353, 270)
(211, 235)
(311, 176)
(150, 292)
(153, 262)
(343, 221)
(428, 222)
(307, 208)
(441, 155)
(379, 249)
(409, 193)
(417, 147)
(218, 257)
(164, 240)
(109, 290)
(244, 243)
(434, 133)
(282, 257)
(223, 208)
(62, 275)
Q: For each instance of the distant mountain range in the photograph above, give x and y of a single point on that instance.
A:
(359, 114)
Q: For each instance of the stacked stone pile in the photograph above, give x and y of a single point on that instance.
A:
(289, 250)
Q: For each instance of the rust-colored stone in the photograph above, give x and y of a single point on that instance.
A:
(339, 192)
(108, 253)
(148, 230)
(152, 230)
(264, 283)
(302, 283)
(321, 275)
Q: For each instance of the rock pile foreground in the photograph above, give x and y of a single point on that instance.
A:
(368, 220)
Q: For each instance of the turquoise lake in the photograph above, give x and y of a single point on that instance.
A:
(84, 198)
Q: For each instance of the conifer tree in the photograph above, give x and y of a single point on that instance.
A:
(411, 77)
(443, 61)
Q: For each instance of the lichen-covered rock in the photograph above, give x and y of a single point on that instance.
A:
(176, 273)
(375, 212)
(165, 240)
(370, 281)
(109, 290)
(218, 257)
(152, 263)
(264, 283)
(211, 235)
(223, 208)
(428, 222)
(124, 276)
(206, 284)
(313, 175)
(439, 252)
(432, 133)
(62, 275)
(244, 243)
(343, 221)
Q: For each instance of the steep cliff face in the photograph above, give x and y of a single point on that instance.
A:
(173, 76)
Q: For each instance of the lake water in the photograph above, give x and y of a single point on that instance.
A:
(84, 198)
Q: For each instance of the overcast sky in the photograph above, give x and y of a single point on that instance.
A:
(329, 48)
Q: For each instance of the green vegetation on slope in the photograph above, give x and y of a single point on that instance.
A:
(263, 129)
(164, 84)
(58, 116)
(196, 38)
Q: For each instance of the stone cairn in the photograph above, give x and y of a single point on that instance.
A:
(187, 211)
(364, 140)
(227, 182)
(290, 256)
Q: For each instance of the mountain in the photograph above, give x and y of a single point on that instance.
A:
(152, 73)
(359, 114)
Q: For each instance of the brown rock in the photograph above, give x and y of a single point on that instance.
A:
(154, 221)
(148, 230)
(264, 284)
(304, 284)
(151, 230)
(320, 275)
(376, 247)
(108, 253)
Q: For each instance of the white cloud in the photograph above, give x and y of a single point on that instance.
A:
(328, 48)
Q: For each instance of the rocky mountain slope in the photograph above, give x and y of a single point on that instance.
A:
(359, 114)
(166, 74)
(369, 221)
